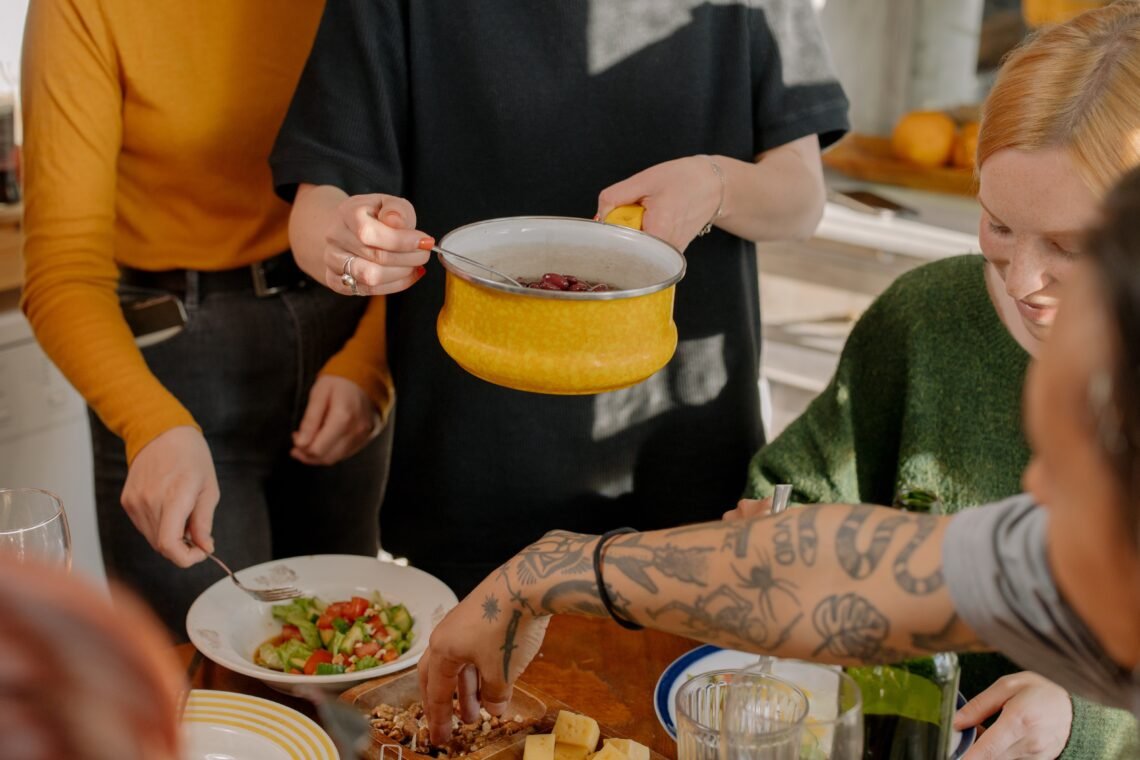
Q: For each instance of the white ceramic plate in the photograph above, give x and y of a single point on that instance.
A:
(227, 625)
(221, 724)
(707, 658)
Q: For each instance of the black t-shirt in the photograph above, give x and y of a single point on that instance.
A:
(487, 108)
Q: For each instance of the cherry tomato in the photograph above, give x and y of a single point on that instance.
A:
(291, 632)
(316, 658)
(389, 655)
(325, 621)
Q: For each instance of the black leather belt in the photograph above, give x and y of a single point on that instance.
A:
(263, 279)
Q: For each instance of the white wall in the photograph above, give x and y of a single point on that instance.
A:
(12, 13)
(897, 55)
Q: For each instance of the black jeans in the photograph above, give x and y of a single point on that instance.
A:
(243, 366)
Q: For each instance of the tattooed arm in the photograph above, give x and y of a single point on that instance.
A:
(826, 582)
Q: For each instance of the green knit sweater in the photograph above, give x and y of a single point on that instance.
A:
(927, 393)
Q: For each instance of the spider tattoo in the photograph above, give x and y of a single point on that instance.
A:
(760, 579)
(490, 608)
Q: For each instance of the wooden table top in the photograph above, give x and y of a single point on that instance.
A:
(592, 665)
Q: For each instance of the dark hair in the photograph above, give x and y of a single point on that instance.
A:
(1114, 249)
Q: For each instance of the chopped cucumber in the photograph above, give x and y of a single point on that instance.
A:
(267, 656)
(306, 627)
(401, 618)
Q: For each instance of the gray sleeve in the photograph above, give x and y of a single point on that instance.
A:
(997, 573)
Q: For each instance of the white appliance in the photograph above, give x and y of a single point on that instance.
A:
(44, 437)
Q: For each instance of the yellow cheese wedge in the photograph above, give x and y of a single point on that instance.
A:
(627, 216)
(629, 748)
(539, 747)
(575, 729)
(570, 752)
(609, 752)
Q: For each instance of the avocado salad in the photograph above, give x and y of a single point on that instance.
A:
(342, 637)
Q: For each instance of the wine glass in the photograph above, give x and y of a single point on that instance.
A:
(833, 726)
(33, 526)
(771, 732)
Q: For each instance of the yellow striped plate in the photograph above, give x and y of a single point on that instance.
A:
(238, 726)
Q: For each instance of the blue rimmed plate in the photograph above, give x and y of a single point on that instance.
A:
(707, 658)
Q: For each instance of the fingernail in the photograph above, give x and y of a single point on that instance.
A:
(421, 271)
(496, 708)
(425, 244)
(597, 217)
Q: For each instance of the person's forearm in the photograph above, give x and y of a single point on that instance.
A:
(827, 582)
(314, 211)
(780, 197)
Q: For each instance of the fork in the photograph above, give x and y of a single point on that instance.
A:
(780, 498)
(276, 594)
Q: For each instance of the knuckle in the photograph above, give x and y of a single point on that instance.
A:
(1027, 723)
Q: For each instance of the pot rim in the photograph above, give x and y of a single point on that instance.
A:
(608, 295)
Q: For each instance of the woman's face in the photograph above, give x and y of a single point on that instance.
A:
(1090, 543)
(1035, 207)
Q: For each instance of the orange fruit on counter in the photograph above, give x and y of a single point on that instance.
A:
(966, 146)
(1045, 12)
(627, 216)
(925, 138)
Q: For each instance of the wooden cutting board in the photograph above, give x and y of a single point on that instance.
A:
(869, 158)
(527, 702)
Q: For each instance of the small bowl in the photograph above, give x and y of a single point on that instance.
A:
(227, 625)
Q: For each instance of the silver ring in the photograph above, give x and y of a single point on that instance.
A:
(346, 277)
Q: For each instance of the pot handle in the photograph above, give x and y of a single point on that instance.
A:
(626, 216)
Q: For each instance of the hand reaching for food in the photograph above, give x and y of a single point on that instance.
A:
(488, 672)
(171, 491)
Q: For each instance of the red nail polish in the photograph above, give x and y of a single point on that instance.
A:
(421, 271)
(425, 244)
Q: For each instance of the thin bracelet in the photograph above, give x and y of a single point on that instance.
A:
(602, 594)
(720, 204)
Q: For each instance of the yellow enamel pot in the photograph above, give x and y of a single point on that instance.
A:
(554, 341)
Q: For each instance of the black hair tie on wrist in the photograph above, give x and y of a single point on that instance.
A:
(602, 594)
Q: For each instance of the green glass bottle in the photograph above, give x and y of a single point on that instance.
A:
(909, 706)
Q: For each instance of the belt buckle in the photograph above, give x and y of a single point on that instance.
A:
(261, 286)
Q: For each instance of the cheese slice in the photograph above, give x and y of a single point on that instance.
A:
(570, 752)
(539, 747)
(629, 748)
(577, 730)
(609, 752)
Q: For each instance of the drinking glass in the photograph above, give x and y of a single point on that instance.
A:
(770, 732)
(33, 526)
(833, 727)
